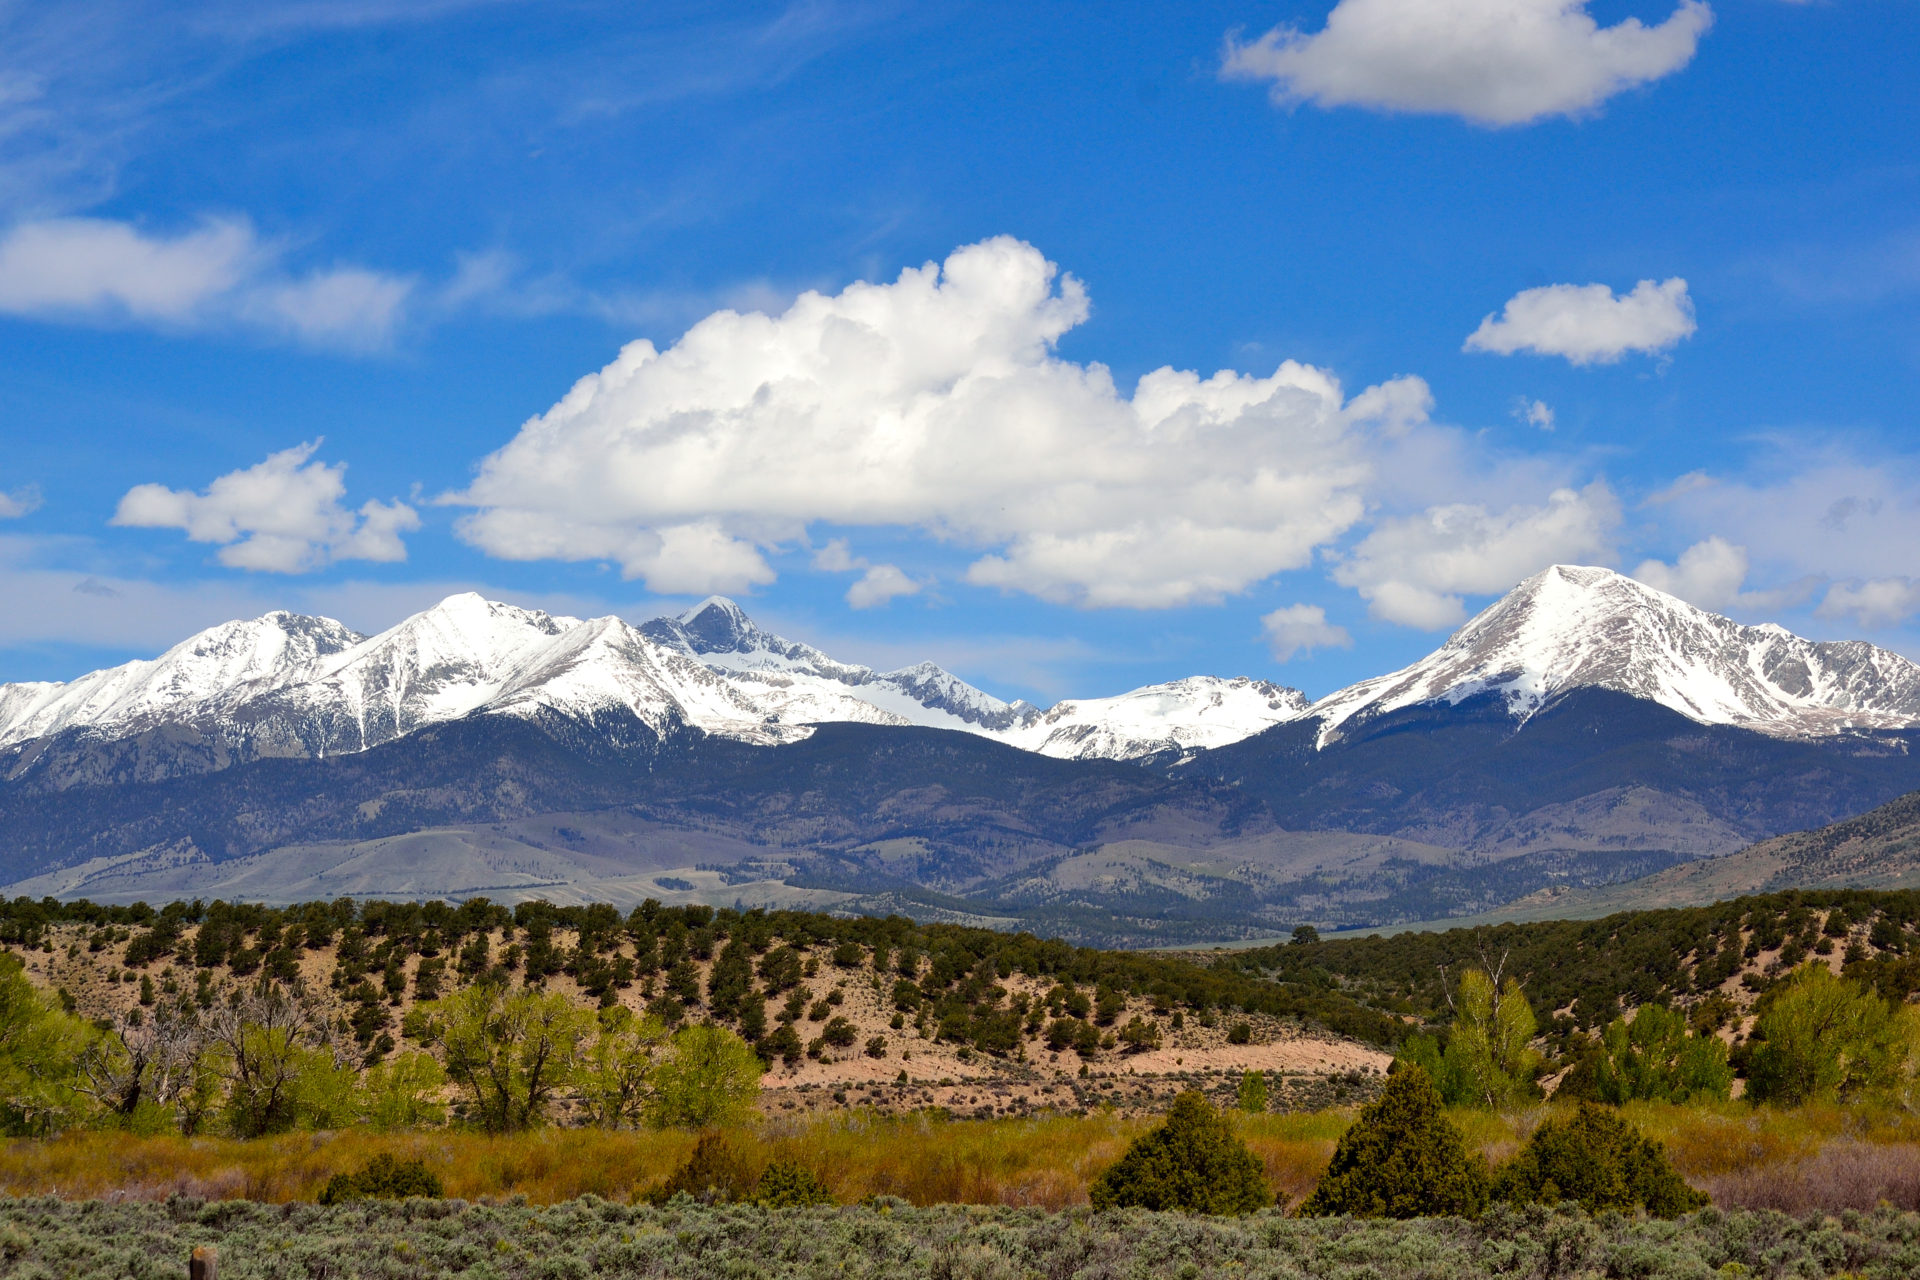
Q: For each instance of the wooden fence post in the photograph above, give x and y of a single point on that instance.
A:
(201, 1265)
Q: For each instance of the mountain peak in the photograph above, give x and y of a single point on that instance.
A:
(1576, 626)
(717, 624)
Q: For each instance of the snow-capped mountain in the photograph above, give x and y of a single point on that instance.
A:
(203, 679)
(805, 686)
(286, 685)
(1570, 627)
(1180, 715)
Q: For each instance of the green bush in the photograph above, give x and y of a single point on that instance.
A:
(1652, 1057)
(1819, 1038)
(1596, 1160)
(1194, 1163)
(384, 1178)
(1402, 1159)
(716, 1173)
(790, 1186)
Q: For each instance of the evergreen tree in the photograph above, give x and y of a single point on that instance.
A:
(1402, 1159)
(1194, 1163)
(1598, 1161)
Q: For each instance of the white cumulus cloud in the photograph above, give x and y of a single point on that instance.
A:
(1414, 569)
(1299, 629)
(936, 402)
(1495, 62)
(283, 515)
(220, 273)
(1587, 324)
(879, 584)
(1874, 603)
(1709, 574)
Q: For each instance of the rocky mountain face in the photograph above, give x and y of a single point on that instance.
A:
(1569, 628)
(1583, 731)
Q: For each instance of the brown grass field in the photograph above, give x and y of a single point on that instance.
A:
(1817, 1158)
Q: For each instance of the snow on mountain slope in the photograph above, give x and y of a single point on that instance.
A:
(816, 687)
(437, 665)
(288, 685)
(291, 685)
(1181, 715)
(1570, 627)
(606, 664)
(200, 678)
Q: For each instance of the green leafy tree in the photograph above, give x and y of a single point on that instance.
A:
(1822, 1038)
(616, 1070)
(265, 1038)
(1488, 1060)
(1653, 1058)
(403, 1093)
(1402, 1158)
(708, 1076)
(509, 1053)
(1253, 1092)
(1489, 1049)
(1595, 1159)
(1194, 1163)
(40, 1050)
(325, 1091)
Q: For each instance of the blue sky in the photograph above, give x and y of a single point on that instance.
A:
(403, 231)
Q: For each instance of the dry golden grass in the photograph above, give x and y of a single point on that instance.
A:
(1741, 1154)
(1047, 1162)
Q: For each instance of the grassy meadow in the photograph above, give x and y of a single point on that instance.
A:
(1827, 1159)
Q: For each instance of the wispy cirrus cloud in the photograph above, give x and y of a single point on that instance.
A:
(217, 274)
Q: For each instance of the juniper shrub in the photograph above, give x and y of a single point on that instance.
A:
(1194, 1162)
(1402, 1158)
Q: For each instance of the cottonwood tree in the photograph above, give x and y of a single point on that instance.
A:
(1654, 1058)
(143, 1061)
(1489, 1060)
(709, 1076)
(40, 1046)
(1821, 1038)
(509, 1053)
(268, 1038)
(615, 1074)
